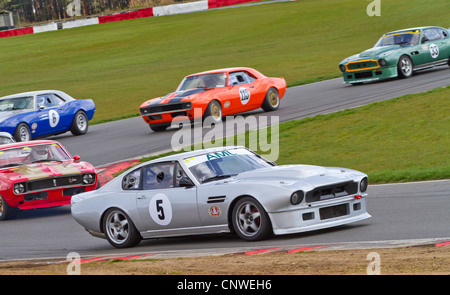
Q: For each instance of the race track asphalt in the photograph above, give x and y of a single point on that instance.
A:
(125, 139)
(400, 211)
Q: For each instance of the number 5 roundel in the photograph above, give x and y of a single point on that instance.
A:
(160, 209)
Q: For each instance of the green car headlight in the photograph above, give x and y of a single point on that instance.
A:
(342, 68)
(382, 62)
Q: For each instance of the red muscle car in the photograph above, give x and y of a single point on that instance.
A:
(214, 94)
(38, 174)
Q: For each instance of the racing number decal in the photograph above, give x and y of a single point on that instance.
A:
(53, 118)
(434, 51)
(160, 209)
(244, 94)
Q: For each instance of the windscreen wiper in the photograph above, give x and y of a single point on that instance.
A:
(218, 177)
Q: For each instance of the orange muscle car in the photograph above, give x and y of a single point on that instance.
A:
(214, 94)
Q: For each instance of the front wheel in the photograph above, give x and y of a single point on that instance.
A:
(405, 67)
(6, 211)
(119, 229)
(250, 220)
(22, 133)
(213, 111)
(158, 128)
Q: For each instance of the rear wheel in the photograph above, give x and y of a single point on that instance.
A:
(22, 132)
(405, 67)
(271, 101)
(119, 229)
(250, 220)
(79, 124)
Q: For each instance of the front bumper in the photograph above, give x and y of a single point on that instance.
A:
(319, 215)
(370, 75)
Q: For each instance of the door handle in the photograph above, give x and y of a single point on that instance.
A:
(143, 197)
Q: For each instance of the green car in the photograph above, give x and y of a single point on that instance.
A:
(399, 54)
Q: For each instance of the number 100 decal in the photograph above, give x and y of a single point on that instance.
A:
(160, 209)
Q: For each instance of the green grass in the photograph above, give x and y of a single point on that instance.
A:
(403, 139)
(119, 65)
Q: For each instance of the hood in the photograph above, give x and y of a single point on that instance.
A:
(173, 97)
(9, 114)
(378, 51)
(290, 174)
(43, 170)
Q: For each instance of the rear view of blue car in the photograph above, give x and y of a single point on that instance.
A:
(36, 114)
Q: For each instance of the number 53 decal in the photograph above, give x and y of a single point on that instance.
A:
(160, 209)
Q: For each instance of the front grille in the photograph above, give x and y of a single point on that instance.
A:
(363, 75)
(362, 65)
(54, 182)
(73, 191)
(166, 108)
(332, 191)
(334, 211)
(35, 196)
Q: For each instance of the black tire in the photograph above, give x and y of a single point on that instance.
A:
(119, 229)
(80, 124)
(214, 111)
(250, 220)
(405, 67)
(6, 211)
(271, 101)
(158, 128)
(22, 133)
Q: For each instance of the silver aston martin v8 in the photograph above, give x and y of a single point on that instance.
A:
(218, 190)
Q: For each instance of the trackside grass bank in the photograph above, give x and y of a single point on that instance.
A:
(119, 65)
(403, 139)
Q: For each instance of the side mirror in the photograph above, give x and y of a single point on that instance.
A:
(186, 182)
(76, 158)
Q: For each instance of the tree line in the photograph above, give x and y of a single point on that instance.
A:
(32, 11)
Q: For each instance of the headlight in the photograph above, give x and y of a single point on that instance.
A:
(19, 188)
(382, 62)
(88, 178)
(297, 197)
(342, 68)
(363, 184)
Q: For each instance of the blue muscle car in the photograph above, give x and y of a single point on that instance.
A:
(43, 113)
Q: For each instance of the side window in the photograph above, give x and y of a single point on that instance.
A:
(158, 176)
(180, 176)
(238, 78)
(131, 180)
(444, 33)
(56, 101)
(432, 34)
(249, 77)
(49, 101)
